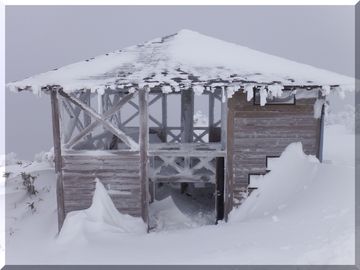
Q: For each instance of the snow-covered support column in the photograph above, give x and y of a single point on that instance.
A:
(187, 121)
(144, 142)
(321, 131)
(57, 155)
(187, 115)
(224, 139)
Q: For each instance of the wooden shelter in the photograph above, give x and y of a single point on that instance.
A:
(113, 119)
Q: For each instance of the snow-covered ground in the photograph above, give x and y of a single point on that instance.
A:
(302, 213)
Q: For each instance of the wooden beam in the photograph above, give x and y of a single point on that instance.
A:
(224, 115)
(74, 120)
(229, 159)
(320, 139)
(164, 116)
(87, 118)
(101, 120)
(187, 115)
(144, 142)
(58, 161)
(187, 119)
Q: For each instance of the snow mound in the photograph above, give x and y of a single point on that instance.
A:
(291, 173)
(101, 216)
(166, 216)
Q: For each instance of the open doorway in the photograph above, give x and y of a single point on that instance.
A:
(187, 168)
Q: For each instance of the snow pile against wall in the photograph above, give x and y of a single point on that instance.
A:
(290, 174)
(314, 224)
(101, 216)
(318, 197)
(184, 60)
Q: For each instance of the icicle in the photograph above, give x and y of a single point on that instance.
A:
(223, 97)
(198, 89)
(99, 102)
(231, 90)
(263, 96)
(275, 90)
(249, 90)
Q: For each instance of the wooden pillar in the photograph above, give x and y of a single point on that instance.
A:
(164, 117)
(58, 159)
(224, 115)
(211, 116)
(143, 142)
(87, 118)
(187, 115)
(321, 133)
(187, 120)
(224, 146)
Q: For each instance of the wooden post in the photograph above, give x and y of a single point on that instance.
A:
(187, 115)
(211, 116)
(187, 120)
(224, 146)
(164, 117)
(321, 133)
(58, 161)
(87, 118)
(224, 115)
(143, 142)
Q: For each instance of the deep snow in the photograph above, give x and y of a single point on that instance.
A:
(302, 213)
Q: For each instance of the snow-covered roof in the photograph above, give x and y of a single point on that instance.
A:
(184, 59)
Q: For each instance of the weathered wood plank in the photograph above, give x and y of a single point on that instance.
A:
(260, 131)
(58, 161)
(143, 142)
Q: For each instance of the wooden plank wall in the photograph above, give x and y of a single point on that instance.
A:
(117, 170)
(261, 131)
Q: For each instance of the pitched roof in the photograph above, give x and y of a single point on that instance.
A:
(182, 59)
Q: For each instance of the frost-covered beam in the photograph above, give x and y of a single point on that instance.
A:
(224, 115)
(101, 120)
(164, 116)
(74, 120)
(144, 142)
(58, 159)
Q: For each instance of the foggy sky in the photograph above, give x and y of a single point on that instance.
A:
(39, 39)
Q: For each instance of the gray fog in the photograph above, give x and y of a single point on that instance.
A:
(41, 38)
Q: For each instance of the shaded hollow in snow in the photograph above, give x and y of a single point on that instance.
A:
(185, 205)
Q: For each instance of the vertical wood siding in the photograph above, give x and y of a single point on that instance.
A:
(261, 131)
(117, 170)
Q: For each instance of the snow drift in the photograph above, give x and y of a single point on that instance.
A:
(101, 216)
(293, 172)
(302, 213)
